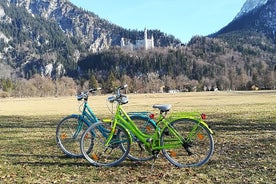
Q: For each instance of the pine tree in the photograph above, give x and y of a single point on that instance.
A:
(93, 83)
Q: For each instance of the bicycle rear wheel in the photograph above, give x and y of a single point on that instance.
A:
(138, 152)
(105, 155)
(194, 152)
(68, 135)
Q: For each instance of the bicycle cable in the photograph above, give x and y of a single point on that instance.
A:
(81, 106)
(111, 109)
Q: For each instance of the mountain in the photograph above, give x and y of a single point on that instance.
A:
(97, 33)
(50, 36)
(257, 16)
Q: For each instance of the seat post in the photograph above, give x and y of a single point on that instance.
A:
(164, 114)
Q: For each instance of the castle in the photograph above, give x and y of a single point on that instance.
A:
(139, 44)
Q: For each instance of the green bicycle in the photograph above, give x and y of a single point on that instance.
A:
(185, 141)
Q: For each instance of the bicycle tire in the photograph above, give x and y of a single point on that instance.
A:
(138, 152)
(198, 150)
(102, 155)
(68, 135)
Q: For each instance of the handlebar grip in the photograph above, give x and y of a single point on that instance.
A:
(80, 97)
(125, 86)
(122, 87)
(91, 90)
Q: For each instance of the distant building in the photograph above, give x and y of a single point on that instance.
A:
(139, 44)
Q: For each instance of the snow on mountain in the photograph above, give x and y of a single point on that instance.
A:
(250, 5)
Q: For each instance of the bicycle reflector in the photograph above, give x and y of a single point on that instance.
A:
(203, 116)
(151, 116)
(63, 136)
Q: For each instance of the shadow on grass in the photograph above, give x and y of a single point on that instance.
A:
(241, 125)
(30, 155)
(60, 164)
(63, 161)
(76, 162)
(28, 122)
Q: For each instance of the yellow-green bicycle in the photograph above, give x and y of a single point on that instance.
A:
(185, 141)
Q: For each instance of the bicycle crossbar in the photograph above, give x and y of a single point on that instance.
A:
(138, 113)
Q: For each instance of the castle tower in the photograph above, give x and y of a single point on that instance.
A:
(146, 39)
(122, 42)
(152, 42)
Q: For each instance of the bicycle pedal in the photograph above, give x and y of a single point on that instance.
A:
(155, 153)
(149, 140)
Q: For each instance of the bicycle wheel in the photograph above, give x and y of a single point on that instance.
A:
(68, 135)
(102, 155)
(194, 152)
(138, 152)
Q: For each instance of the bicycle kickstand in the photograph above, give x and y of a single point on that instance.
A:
(154, 159)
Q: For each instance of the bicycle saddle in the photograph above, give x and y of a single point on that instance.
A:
(163, 107)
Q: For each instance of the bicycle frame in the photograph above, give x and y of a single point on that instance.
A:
(151, 141)
(88, 117)
(88, 113)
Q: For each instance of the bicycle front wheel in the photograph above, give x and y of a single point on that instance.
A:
(68, 135)
(197, 147)
(101, 154)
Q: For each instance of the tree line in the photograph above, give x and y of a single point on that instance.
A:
(37, 86)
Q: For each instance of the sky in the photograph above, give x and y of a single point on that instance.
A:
(180, 18)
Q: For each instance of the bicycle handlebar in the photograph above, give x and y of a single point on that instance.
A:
(120, 98)
(118, 90)
(84, 94)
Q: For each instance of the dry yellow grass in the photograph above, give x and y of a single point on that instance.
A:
(208, 102)
(243, 122)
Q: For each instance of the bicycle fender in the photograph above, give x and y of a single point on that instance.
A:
(203, 123)
(206, 125)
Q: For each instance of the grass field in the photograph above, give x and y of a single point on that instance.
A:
(245, 140)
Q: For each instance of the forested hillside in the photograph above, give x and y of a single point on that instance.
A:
(204, 64)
